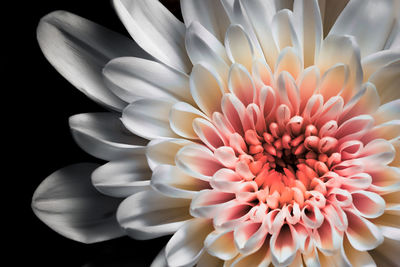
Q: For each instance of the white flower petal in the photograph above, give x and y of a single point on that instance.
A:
(171, 181)
(209, 13)
(123, 178)
(149, 214)
(238, 15)
(371, 32)
(160, 260)
(104, 136)
(79, 49)
(289, 61)
(238, 46)
(149, 118)
(342, 49)
(132, 78)
(386, 80)
(151, 24)
(161, 151)
(221, 245)
(186, 246)
(374, 62)
(202, 47)
(283, 30)
(181, 118)
(207, 203)
(308, 23)
(260, 14)
(206, 87)
(387, 112)
(362, 234)
(68, 203)
(355, 257)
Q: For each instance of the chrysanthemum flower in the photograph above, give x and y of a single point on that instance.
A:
(274, 131)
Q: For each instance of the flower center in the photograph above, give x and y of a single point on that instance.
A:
(288, 162)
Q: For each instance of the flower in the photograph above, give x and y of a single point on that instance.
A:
(274, 134)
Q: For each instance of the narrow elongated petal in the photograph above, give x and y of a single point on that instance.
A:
(68, 203)
(124, 177)
(206, 87)
(149, 221)
(356, 17)
(149, 118)
(150, 24)
(172, 182)
(386, 80)
(132, 78)
(210, 13)
(186, 246)
(104, 136)
(309, 28)
(181, 118)
(79, 49)
(162, 151)
(203, 48)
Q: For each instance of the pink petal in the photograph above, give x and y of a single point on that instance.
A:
(207, 203)
(207, 133)
(368, 204)
(284, 245)
(198, 161)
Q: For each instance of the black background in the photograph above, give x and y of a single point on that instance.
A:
(38, 141)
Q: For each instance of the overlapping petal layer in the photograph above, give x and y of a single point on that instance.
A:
(279, 145)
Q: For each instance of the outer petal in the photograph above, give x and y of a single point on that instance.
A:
(307, 18)
(172, 182)
(374, 62)
(206, 87)
(260, 14)
(132, 78)
(123, 178)
(186, 246)
(68, 203)
(342, 49)
(151, 24)
(386, 81)
(181, 119)
(148, 214)
(203, 47)
(210, 13)
(79, 49)
(149, 118)
(221, 244)
(160, 260)
(161, 151)
(356, 18)
(103, 136)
